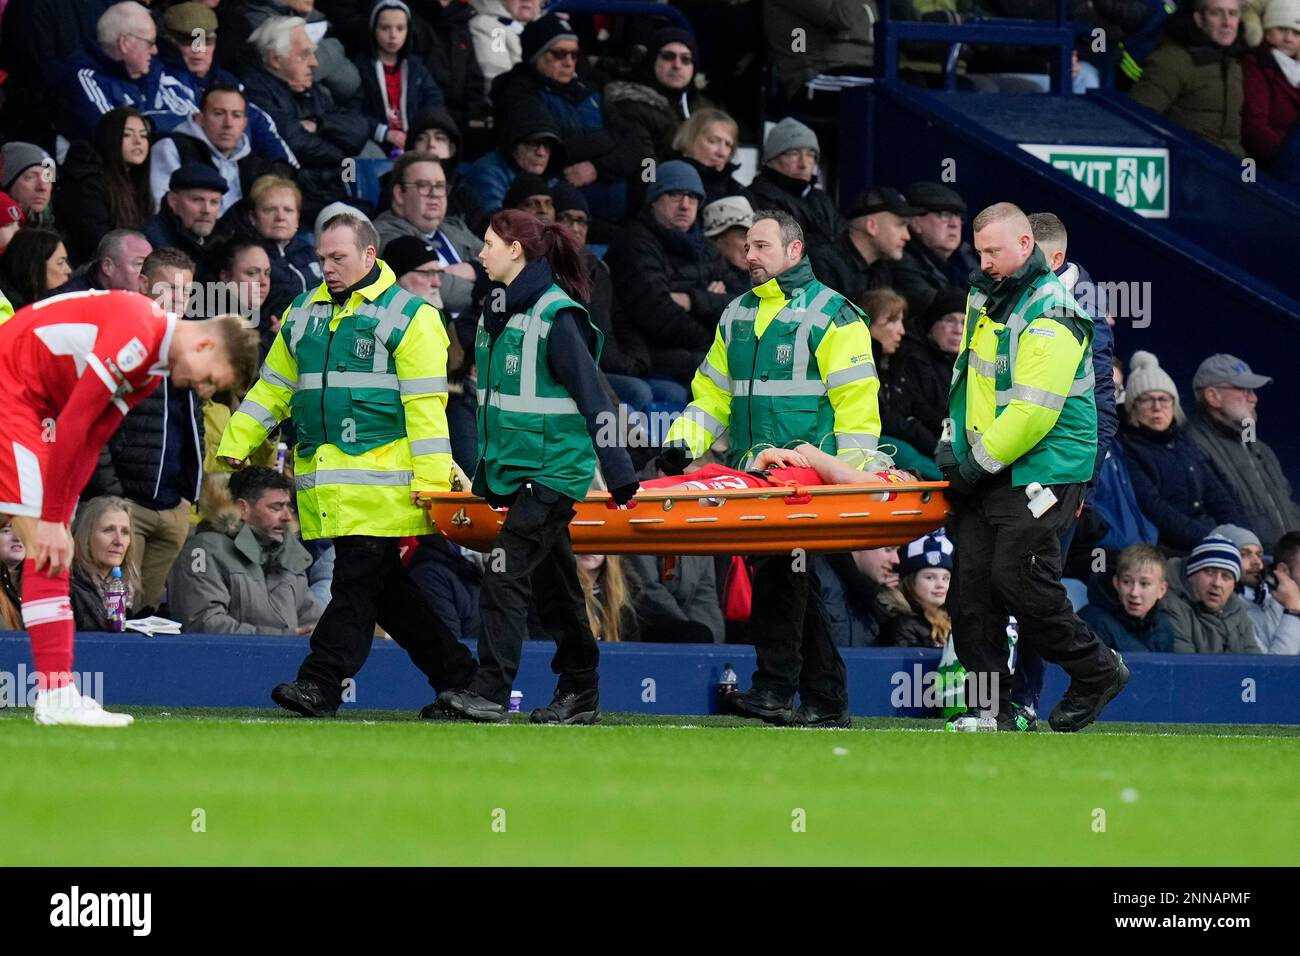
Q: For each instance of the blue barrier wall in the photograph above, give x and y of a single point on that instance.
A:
(198, 670)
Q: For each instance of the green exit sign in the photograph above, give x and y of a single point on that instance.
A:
(1136, 177)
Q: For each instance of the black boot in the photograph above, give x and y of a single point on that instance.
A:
(467, 705)
(1079, 708)
(761, 705)
(304, 697)
(570, 707)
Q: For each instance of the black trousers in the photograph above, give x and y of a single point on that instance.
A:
(370, 586)
(1006, 561)
(791, 640)
(530, 583)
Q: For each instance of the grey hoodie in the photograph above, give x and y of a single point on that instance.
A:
(165, 160)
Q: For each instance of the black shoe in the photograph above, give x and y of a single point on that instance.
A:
(434, 712)
(1078, 709)
(467, 705)
(1020, 720)
(568, 707)
(304, 697)
(812, 715)
(760, 705)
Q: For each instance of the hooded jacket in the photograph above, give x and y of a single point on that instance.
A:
(492, 174)
(245, 584)
(1196, 83)
(188, 143)
(1106, 615)
(1198, 630)
(420, 91)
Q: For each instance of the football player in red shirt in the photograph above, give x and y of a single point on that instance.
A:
(774, 467)
(72, 366)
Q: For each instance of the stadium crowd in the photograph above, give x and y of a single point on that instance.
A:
(190, 151)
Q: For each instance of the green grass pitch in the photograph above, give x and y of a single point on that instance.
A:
(377, 788)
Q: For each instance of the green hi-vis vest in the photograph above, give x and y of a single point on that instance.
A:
(347, 393)
(778, 397)
(529, 427)
(1068, 451)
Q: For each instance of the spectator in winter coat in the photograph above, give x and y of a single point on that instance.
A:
(1273, 605)
(418, 207)
(395, 86)
(253, 576)
(320, 131)
(215, 136)
(531, 194)
(788, 181)
(1194, 76)
(434, 131)
(530, 143)
(102, 536)
(1176, 487)
(189, 211)
(1207, 617)
(1270, 76)
(921, 373)
(450, 578)
(443, 39)
(669, 279)
(104, 184)
(676, 599)
(925, 572)
(837, 37)
(498, 29)
(1224, 430)
(726, 223)
(599, 152)
(332, 69)
(861, 259)
(27, 174)
(935, 257)
(662, 92)
(1124, 610)
(34, 265)
(708, 142)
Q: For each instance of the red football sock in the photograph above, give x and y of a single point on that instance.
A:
(47, 615)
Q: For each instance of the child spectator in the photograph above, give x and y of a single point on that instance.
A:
(1207, 617)
(101, 534)
(395, 87)
(1125, 611)
(608, 595)
(925, 572)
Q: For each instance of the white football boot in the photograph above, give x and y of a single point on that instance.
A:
(68, 707)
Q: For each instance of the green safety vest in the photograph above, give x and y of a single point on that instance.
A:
(347, 393)
(1068, 451)
(529, 426)
(778, 397)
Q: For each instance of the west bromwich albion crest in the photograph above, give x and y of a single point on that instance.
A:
(512, 364)
(364, 347)
(784, 353)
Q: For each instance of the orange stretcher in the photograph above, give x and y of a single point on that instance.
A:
(742, 521)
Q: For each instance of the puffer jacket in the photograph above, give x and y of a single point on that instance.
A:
(1198, 630)
(1195, 83)
(1176, 487)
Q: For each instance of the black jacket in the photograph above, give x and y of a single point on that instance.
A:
(917, 392)
(649, 262)
(812, 208)
(907, 630)
(718, 183)
(621, 354)
(155, 458)
(88, 612)
(80, 202)
(164, 229)
(441, 37)
(839, 265)
(922, 272)
(35, 36)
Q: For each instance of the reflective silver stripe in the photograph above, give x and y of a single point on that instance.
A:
(532, 404)
(816, 305)
(740, 389)
(259, 413)
(736, 313)
(518, 321)
(546, 301)
(985, 460)
(1082, 386)
(973, 437)
(702, 418)
(1034, 396)
(310, 380)
(298, 320)
(975, 301)
(850, 374)
(422, 386)
(714, 376)
(275, 378)
(431, 446)
(814, 386)
(982, 365)
(864, 441)
(384, 380)
(352, 476)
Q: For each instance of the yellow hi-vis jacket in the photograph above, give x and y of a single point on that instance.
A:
(791, 362)
(368, 493)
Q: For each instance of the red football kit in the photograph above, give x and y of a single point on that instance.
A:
(73, 366)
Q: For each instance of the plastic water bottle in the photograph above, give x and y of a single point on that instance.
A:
(281, 455)
(516, 701)
(115, 601)
(726, 684)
